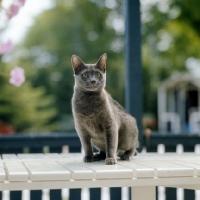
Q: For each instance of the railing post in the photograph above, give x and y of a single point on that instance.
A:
(75, 194)
(189, 194)
(55, 194)
(133, 63)
(15, 195)
(36, 194)
(143, 193)
(170, 192)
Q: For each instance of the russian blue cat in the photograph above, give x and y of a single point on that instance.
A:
(100, 121)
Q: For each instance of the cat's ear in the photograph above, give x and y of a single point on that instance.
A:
(77, 63)
(101, 63)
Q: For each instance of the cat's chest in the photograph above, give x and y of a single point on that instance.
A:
(91, 124)
(88, 107)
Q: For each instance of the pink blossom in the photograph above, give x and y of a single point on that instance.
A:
(21, 2)
(14, 8)
(17, 76)
(6, 47)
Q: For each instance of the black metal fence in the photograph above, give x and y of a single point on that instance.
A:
(37, 143)
(54, 142)
(170, 142)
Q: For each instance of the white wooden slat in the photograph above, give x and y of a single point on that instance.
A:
(16, 171)
(54, 168)
(180, 158)
(33, 156)
(194, 160)
(48, 170)
(166, 168)
(60, 158)
(167, 156)
(9, 157)
(103, 171)
(78, 171)
(73, 156)
(195, 166)
(2, 172)
(139, 171)
(53, 155)
(64, 156)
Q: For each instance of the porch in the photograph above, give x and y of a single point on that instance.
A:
(56, 143)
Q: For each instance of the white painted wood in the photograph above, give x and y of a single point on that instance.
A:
(102, 171)
(195, 160)
(139, 171)
(143, 193)
(9, 156)
(73, 156)
(53, 155)
(167, 168)
(180, 157)
(195, 166)
(95, 183)
(162, 98)
(105, 193)
(56, 171)
(2, 172)
(16, 171)
(49, 170)
(30, 156)
(78, 171)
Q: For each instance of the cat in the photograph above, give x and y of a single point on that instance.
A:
(100, 121)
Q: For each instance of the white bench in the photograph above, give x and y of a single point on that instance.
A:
(143, 173)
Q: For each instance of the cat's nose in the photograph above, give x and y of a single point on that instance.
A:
(93, 81)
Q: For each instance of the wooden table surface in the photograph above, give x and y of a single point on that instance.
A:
(142, 173)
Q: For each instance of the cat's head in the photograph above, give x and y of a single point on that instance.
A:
(89, 77)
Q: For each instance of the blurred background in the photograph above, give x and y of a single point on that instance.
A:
(47, 33)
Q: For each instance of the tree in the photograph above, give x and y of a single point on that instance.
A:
(22, 108)
(81, 28)
(170, 32)
(26, 108)
(171, 35)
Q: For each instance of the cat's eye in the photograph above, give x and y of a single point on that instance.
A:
(85, 75)
(98, 74)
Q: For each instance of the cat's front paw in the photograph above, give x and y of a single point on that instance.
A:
(124, 157)
(88, 159)
(110, 161)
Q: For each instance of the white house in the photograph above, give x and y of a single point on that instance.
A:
(179, 104)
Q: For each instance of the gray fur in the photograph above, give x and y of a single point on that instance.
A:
(100, 121)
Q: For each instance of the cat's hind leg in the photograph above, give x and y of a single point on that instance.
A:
(99, 156)
(127, 154)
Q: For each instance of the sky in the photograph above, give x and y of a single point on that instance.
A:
(16, 28)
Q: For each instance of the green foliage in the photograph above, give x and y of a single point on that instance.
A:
(171, 35)
(170, 32)
(75, 27)
(26, 108)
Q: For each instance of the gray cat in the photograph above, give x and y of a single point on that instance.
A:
(100, 121)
